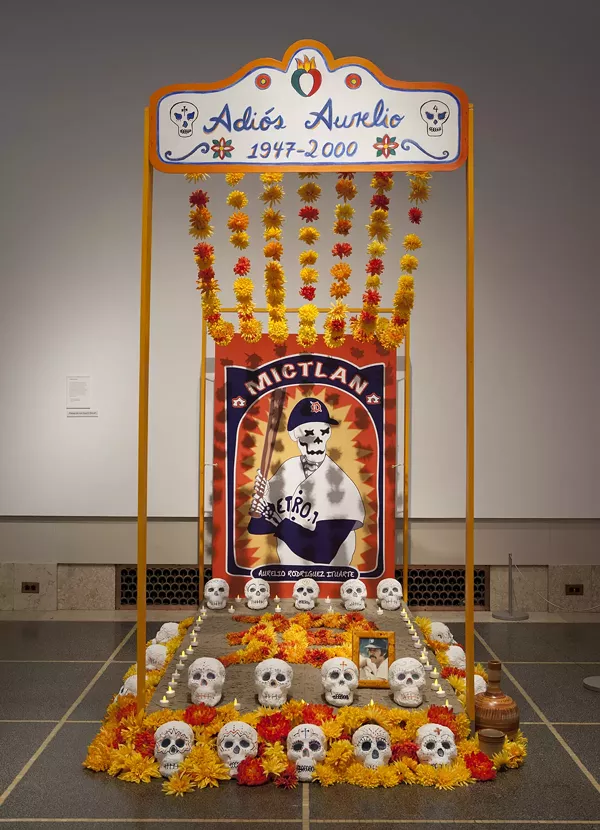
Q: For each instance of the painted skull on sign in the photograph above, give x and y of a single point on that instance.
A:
(312, 441)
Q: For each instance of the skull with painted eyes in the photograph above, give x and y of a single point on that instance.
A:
(173, 742)
(436, 745)
(206, 678)
(236, 741)
(312, 441)
(273, 679)
(339, 677)
(372, 745)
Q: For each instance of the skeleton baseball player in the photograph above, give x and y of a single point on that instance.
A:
(310, 504)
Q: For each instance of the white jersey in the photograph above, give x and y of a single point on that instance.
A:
(327, 494)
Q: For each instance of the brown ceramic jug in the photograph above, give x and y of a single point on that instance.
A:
(494, 709)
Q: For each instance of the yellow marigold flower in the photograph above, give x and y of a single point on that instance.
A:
(332, 729)
(373, 281)
(202, 263)
(243, 288)
(426, 775)
(361, 776)
(196, 177)
(379, 215)
(344, 210)
(237, 198)
(309, 192)
(239, 239)
(352, 717)
(276, 294)
(340, 755)
(419, 191)
(156, 719)
(307, 336)
(338, 311)
(424, 624)
(309, 275)
(333, 340)
(272, 218)
(406, 282)
(238, 221)
(272, 233)
(141, 770)
(341, 270)
(221, 332)
(233, 178)
(421, 175)
(325, 775)
(452, 775)
(274, 270)
(308, 257)
(178, 784)
(271, 178)
(345, 189)
(210, 305)
(379, 231)
(339, 290)
(376, 248)
(273, 249)
(272, 194)
(278, 331)
(412, 242)
(382, 186)
(308, 175)
(293, 710)
(387, 776)
(308, 235)
(130, 671)
(409, 263)
(307, 313)
(276, 311)
(274, 759)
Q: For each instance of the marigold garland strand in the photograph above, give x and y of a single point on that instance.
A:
(335, 323)
(243, 286)
(309, 193)
(273, 220)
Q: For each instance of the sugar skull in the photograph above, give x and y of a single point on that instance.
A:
(306, 746)
(372, 745)
(435, 115)
(389, 594)
(156, 657)
(236, 741)
(407, 681)
(339, 677)
(129, 686)
(257, 593)
(306, 593)
(173, 743)
(206, 677)
(436, 745)
(216, 594)
(166, 632)
(441, 633)
(457, 657)
(183, 114)
(273, 680)
(353, 593)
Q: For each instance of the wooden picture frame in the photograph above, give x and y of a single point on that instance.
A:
(385, 641)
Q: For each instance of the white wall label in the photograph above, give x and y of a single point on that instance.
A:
(79, 391)
(82, 413)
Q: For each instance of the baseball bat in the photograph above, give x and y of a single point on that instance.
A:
(275, 411)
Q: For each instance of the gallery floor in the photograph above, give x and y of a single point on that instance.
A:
(58, 674)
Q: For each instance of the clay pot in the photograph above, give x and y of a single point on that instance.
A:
(491, 741)
(493, 708)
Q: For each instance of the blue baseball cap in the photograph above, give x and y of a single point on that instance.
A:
(309, 410)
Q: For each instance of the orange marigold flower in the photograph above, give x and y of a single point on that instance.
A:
(345, 189)
(273, 249)
(199, 714)
(339, 290)
(251, 773)
(341, 270)
(274, 727)
(288, 779)
(238, 221)
(342, 227)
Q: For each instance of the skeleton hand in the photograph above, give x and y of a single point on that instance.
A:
(261, 486)
(259, 505)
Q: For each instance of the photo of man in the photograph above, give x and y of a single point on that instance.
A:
(373, 659)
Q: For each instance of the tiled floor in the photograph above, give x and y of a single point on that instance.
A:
(58, 675)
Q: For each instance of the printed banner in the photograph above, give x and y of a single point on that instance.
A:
(304, 482)
(308, 111)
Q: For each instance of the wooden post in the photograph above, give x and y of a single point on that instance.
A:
(142, 515)
(202, 464)
(406, 482)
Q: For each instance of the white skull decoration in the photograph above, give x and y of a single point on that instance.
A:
(434, 114)
(236, 741)
(257, 592)
(480, 684)
(312, 440)
(306, 592)
(457, 657)
(436, 745)
(156, 657)
(441, 633)
(206, 677)
(372, 745)
(340, 678)
(166, 632)
(389, 594)
(183, 115)
(306, 746)
(216, 594)
(353, 592)
(129, 687)
(407, 681)
(173, 742)
(273, 679)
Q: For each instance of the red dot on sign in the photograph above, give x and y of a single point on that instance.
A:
(263, 81)
(353, 81)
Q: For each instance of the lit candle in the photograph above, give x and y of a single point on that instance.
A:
(427, 665)
(423, 659)
(277, 608)
(447, 705)
(194, 640)
(238, 599)
(417, 644)
(198, 620)
(190, 649)
(380, 611)
(231, 609)
(371, 702)
(236, 705)
(435, 673)
(435, 685)
(327, 600)
(440, 692)
(183, 656)
(170, 692)
(276, 598)
(163, 702)
(204, 611)
(175, 677)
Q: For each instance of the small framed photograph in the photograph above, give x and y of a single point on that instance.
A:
(373, 652)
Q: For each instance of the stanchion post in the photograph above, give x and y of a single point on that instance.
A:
(202, 464)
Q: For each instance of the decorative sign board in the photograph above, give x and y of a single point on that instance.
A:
(308, 112)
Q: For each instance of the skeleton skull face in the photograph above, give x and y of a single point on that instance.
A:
(434, 114)
(206, 677)
(183, 116)
(129, 687)
(457, 657)
(312, 440)
(306, 592)
(306, 746)
(156, 657)
(407, 681)
(173, 743)
(257, 592)
(340, 678)
(235, 742)
(436, 745)
(216, 593)
(353, 592)
(480, 684)
(166, 632)
(372, 745)
(389, 594)
(441, 633)
(273, 680)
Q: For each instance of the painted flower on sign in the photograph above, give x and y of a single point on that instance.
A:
(386, 146)
(222, 148)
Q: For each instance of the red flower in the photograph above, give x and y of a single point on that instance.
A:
(380, 200)
(341, 249)
(288, 779)
(415, 214)
(480, 766)
(346, 175)
(199, 198)
(343, 227)
(242, 266)
(274, 727)
(203, 250)
(384, 177)
(367, 316)
(308, 292)
(451, 671)
(407, 749)
(371, 297)
(317, 656)
(374, 266)
(213, 318)
(443, 716)
(337, 325)
(345, 736)
(206, 274)
(309, 213)
(316, 713)
(280, 622)
(399, 321)
(130, 708)
(199, 714)
(144, 743)
(251, 773)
